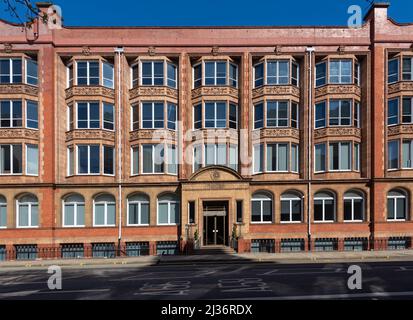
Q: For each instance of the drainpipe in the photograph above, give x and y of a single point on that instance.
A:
(310, 51)
(119, 51)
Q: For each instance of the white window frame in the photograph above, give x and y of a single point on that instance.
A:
(27, 146)
(88, 115)
(4, 205)
(105, 203)
(75, 213)
(88, 72)
(277, 145)
(215, 119)
(263, 75)
(261, 201)
(153, 115)
(23, 105)
(26, 76)
(139, 203)
(88, 162)
(277, 73)
(290, 201)
(215, 77)
(325, 157)
(27, 118)
(112, 80)
(153, 72)
(340, 117)
(11, 160)
(339, 156)
(29, 210)
(324, 199)
(132, 167)
(352, 199)
(403, 196)
(277, 119)
(103, 160)
(340, 71)
(71, 162)
(169, 202)
(392, 74)
(153, 159)
(11, 70)
(398, 154)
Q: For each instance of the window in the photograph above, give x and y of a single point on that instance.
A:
(171, 111)
(87, 73)
(11, 159)
(135, 117)
(407, 110)
(407, 154)
(291, 207)
(340, 112)
(340, 156)
(215, 73)
(277, 114)
(168, 209)
(215, 154)
(356, 156)
(88, 115)
(233, 116)
(233, 157)
(259, 116)
(74, 211)
(3, 212)
(70, 161)
(320, 115)
(70, 75)
(198, 75)
(108, 116)
(31, 72)
(321, 74)
(320, 157)
(135, 75)
(357, 122)
(171, 73)
(32, 118)
(215, 114)
(108, 160)
(135, 160)
(341, 71)
(277, 157)
(324, 207)
(198, 116)
(294, 158)
(153, 158)
(197, 156)
(393, 154)
(27, 211)
(353, 206)
(261, 208)
(357, 74)
(258, 158)
(152, 73)
(294, 115)
(70, 124)
(153, 115)
(10, 113)
(138, 210)
(295, 72)
(393, 72)
(407, 69)
(11, 70)
(278, 72)
(88, 159)
(32, 159)
(239, 211)
(191, 212)
(397, 205)
(104, 209)
(233, 75)
(108, 75)
(393, 113)
(172, 162)
(258, 75)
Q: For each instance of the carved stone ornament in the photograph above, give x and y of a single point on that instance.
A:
(8, 48)
(215, 50)
(86, 51)
(341, 49)
(277, 49)
(151, 51)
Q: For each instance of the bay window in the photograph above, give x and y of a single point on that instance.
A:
(215, 115)
(88, 159)
(340, 112)
(32, 116)
(341, 71)
(280, 157)
(407, 68)
(393, 112)
(215, 154)
(31, 72)
(156, 159)
(11, 159)
(340, 156)
(11, 70)
(88, 115)
(277, 157)
(88, 73)
(215, 73)
(393, 154)
(154, 73)
(91, 73)
(337, 71)
(278, 114)
(277, 72)
(393, 70)
(153, 115)
(11, 113)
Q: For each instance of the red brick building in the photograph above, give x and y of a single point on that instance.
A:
(153, 139)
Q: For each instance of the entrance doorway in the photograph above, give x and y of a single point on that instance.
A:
(215, 223)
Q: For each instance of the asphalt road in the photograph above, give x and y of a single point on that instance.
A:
(249, 281)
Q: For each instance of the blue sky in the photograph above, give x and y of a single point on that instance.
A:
(215, 12)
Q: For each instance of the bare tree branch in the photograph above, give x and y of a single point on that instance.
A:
(24, 11)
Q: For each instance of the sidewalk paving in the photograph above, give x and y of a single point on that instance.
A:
(278, 258)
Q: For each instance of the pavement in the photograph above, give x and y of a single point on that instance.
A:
(244, 258)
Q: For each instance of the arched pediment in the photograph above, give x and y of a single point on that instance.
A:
(215, 173)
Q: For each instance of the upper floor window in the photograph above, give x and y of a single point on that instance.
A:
(108, 75)
(89, 161)
(393, 112)
(276, 72)
(280, 157)
(215, 114)
(154, 73)
(215, 154)
(393, 154)
(277, 114)
(215, 73)
(88, 73)
(408, 68)
(11, 70)
(155, 159)
(340, 156)
(340, 71)
(11, 113)
(153, 115)
(31, 72)
(88, 115)
(91, 73)
(397, 205)
(393, 70)
(340, 113)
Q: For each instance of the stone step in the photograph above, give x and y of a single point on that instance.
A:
(214, 250)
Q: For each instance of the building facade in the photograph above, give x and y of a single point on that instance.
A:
(156, 140)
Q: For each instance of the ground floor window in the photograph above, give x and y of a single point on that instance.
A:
(135, 249)
(72, 251)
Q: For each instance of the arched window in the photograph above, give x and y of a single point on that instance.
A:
(291, 207)
(74, 211)
(261, 207)
(324, 207)
(27, 211)
(396, 205)
(138, 210)
(353, 206)
(3, 212)
(168, 209)
(104, 207)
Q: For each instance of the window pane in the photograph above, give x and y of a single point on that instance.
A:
(320, 157)
(94, 159)
(296, 210)
(320, 115)
(283, 157)
(271, 113)
(271, 157)
(221, 114)
(321, 70)
(198, 116)
(163, 213)
(393, 155)
(267, 211)
(393, 114)
(159, 114)
(108, 116)
(5, 113)
(347, 210)
(32, 157)
(390, 208)
(294, 158)
(285, 210)
(258, 116)
(99, 214)
(159, 158)
(108, 161)
(3, 215)
(171, 75)
(407, 154)
(111, 211)
(407, 110)
(32, 115)
(345, 159)
(222, 154)
(334, 156)
(209, 154)
(329, 210)
(401, 208)
(258, 158)
(69, 215)
(108, 75)
(83, 159)
(80, 214)
(147, 115)
(94, 113)
(358, 209)
(256, 211)
(135, 160)
(259, 74)
(17, 158)
(171, 116)
(144, 213)
(82, 115)
(23, 215)
(147, 159)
